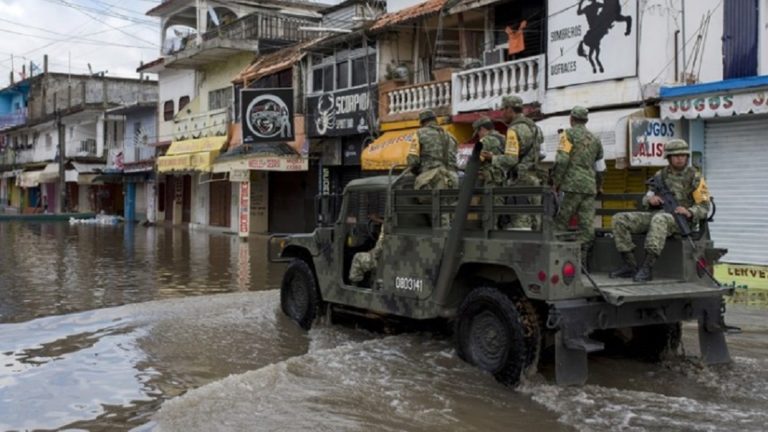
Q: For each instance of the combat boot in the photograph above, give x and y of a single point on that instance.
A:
(628, 267)
(645, 273)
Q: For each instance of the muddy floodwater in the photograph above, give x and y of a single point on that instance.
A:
(109, 328)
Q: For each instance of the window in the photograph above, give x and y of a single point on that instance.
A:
(168, 110)
(220, 98)
(317, 80)
(342, 75)
(359, 69)
(183, 102)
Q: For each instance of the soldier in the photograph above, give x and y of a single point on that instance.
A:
(578, 162)
(432, 157)
(493, 169)
(364, 262)
(521, 154)
(692, 195)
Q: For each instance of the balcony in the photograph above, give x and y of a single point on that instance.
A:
(210, 123)
(15, 119)
(404, 103)
(139, 154)
(242, 35)
(87, 147)
(481, 89)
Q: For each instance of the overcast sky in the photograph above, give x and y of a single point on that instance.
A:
(111, 35)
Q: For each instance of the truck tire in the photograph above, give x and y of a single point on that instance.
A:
(655, 342)
(490, 334)
(529, 317)
(298, 294)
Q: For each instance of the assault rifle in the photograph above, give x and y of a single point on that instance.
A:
(670, 204)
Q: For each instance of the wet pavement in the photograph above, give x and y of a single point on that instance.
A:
(164, 329)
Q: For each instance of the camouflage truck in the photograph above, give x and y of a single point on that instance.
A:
(508, 293)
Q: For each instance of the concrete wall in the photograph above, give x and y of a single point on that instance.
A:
(173, 85)
(763, 39)
(219, 75)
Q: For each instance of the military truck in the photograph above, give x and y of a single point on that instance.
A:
(507, 293)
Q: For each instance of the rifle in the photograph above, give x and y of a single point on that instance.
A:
(669, 205)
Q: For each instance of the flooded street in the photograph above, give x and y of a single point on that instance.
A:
(106, 328)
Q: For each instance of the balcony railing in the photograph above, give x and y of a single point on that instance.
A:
(263, 25)
(482, 88)
(211, 123)
(433, 95)
(17, 118)
(139, 154)
(87, 147)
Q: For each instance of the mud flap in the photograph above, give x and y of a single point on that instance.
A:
(712, 344)
(570, 363)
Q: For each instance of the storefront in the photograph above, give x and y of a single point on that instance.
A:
(727, 122)
(186, 177)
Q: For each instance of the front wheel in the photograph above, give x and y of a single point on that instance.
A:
(299, 297)
(490, 335)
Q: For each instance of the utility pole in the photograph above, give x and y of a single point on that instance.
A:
(61, 203)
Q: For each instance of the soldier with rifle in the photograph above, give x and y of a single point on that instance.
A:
(679, 197)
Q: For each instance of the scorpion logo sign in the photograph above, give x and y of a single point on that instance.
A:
(326, 114)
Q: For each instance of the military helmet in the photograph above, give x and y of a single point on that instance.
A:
(675, 147)
(426, 115)
(511, 102)
(482, 122)
(580, 113)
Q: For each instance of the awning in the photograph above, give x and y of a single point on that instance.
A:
(610, 126)
(14, 173)
(263, 163)
(29, 179)
(392, 148)
(191, 155)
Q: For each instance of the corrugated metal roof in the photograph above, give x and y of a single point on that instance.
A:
(429, 7)
(274, 62)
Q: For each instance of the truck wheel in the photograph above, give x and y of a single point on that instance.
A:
(490, 335)
(654, 342)
(529, 317)
(298, 294)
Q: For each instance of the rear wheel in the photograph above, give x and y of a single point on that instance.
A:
(490, 334)
(299, 298)
(657, 341)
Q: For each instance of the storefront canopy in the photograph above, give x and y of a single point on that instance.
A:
(391, 149)
(610, 126)
(717, 99)
(191, 155)
(29, 179)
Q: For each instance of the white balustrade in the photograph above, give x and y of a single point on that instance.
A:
(431, 95)
(482, 88)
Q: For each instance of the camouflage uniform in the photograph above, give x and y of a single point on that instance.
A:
(658, 224)
(493, 171)
(522, 158)
(691, 193)
(433, 156)
(364, 262)
(574, 174)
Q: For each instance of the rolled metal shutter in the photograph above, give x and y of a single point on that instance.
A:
(736, 171)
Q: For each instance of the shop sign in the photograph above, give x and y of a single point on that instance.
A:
(236, 176)
(352, 149)
(742, 276)
(244, 217)
(344, 112)
(647, 138)
(267, 115)
(278, 164)
(722, 105)
(590, 41)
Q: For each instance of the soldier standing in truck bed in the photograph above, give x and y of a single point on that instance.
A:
(578, 173)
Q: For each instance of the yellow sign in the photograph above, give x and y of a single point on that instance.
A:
(200, 161)
(392, 147)
(198, 145)
(742, 276)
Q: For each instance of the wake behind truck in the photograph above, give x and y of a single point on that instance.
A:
(508, 293)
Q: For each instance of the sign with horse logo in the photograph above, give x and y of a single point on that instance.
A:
(267, 115)
(590, 41)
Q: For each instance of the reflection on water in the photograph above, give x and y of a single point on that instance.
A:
(55, 268)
